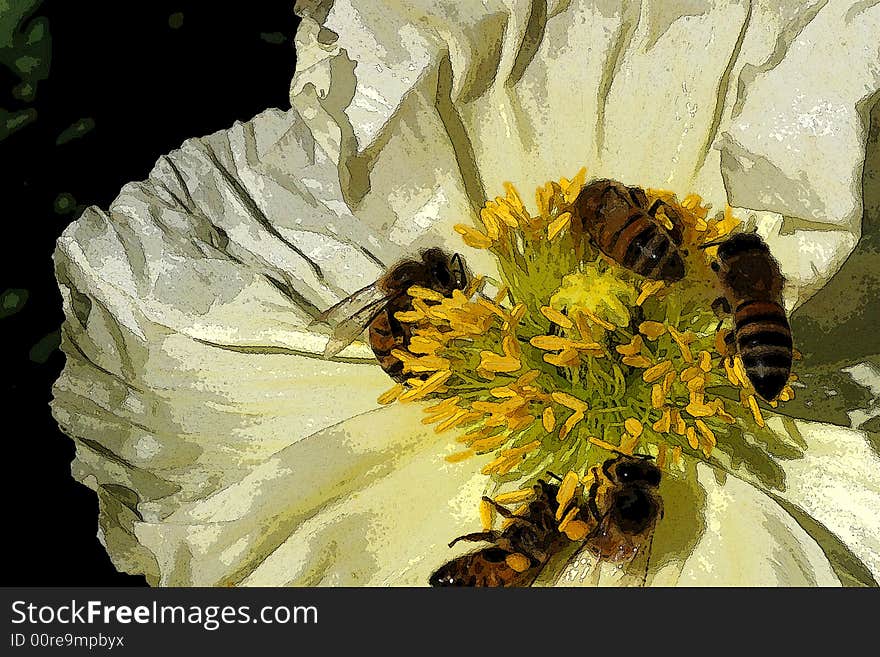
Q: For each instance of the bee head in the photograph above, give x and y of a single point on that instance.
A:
(445, 272)
(638, 470)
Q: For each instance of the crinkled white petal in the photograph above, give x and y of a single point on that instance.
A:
(193, 377)
(372, 502)
(759, 104)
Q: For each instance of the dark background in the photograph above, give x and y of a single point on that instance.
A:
(103, 93)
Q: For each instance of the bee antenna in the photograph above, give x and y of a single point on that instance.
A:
(554, 475)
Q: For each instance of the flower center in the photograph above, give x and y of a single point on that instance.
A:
(571, 355)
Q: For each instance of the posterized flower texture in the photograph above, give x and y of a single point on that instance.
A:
(229, 446)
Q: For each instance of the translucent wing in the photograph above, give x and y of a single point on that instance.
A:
(351, 316)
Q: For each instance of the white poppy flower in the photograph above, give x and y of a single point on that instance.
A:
(225, 450)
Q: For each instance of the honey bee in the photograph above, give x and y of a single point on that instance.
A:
(625, 502)
(518, 552)
(374, 306)
(618, 516)
(623, 225)
(752, 286)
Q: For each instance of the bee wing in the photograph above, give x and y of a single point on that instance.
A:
(351, 316)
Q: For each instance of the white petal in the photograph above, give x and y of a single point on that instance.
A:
(190, 358)
(370, 501)
(837, 484)
(647, 93)
(716, 533)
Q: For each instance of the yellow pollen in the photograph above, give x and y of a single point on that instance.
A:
(740, 371)
(550, 342)
(409, 316)
(518, 562)
(682, 340)
(453, 421)
(697, 406)
(566, 358)
(668, 380)
(689, 373)
(565, 493)
(419, 292)
(566, 521)
(661, 455)
(596, 319)
(492, 362)
(692, 438)
(678, 424)
(430, 385)
(576, 530)
(628, 443)
(676, 454)
(490, 443)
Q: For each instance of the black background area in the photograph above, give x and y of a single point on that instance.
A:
(149, 81)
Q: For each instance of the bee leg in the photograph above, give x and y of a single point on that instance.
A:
(730, 342)
(492, 536)
(505, 513)
(721, 307)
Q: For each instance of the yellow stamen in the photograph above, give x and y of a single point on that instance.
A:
(569, 401)
(419, 292)
(636, 361)
(570, 424)
(657, 371)
(487, 515)
(658, 396)
(556, 317)
(460, 456)
(633, 426)
(632, 348)
(756, 411)
(515, 497)
(682, 340)
(652, 330)
(692, 438)
(571, 515)
(391, 395)
(697, 406)
(556, 226)
(705, 361)
(548, 419)
(664, 423)
(648, 288)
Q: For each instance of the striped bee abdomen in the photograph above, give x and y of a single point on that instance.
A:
(387, 334)
(623, 226)
(763, 340)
